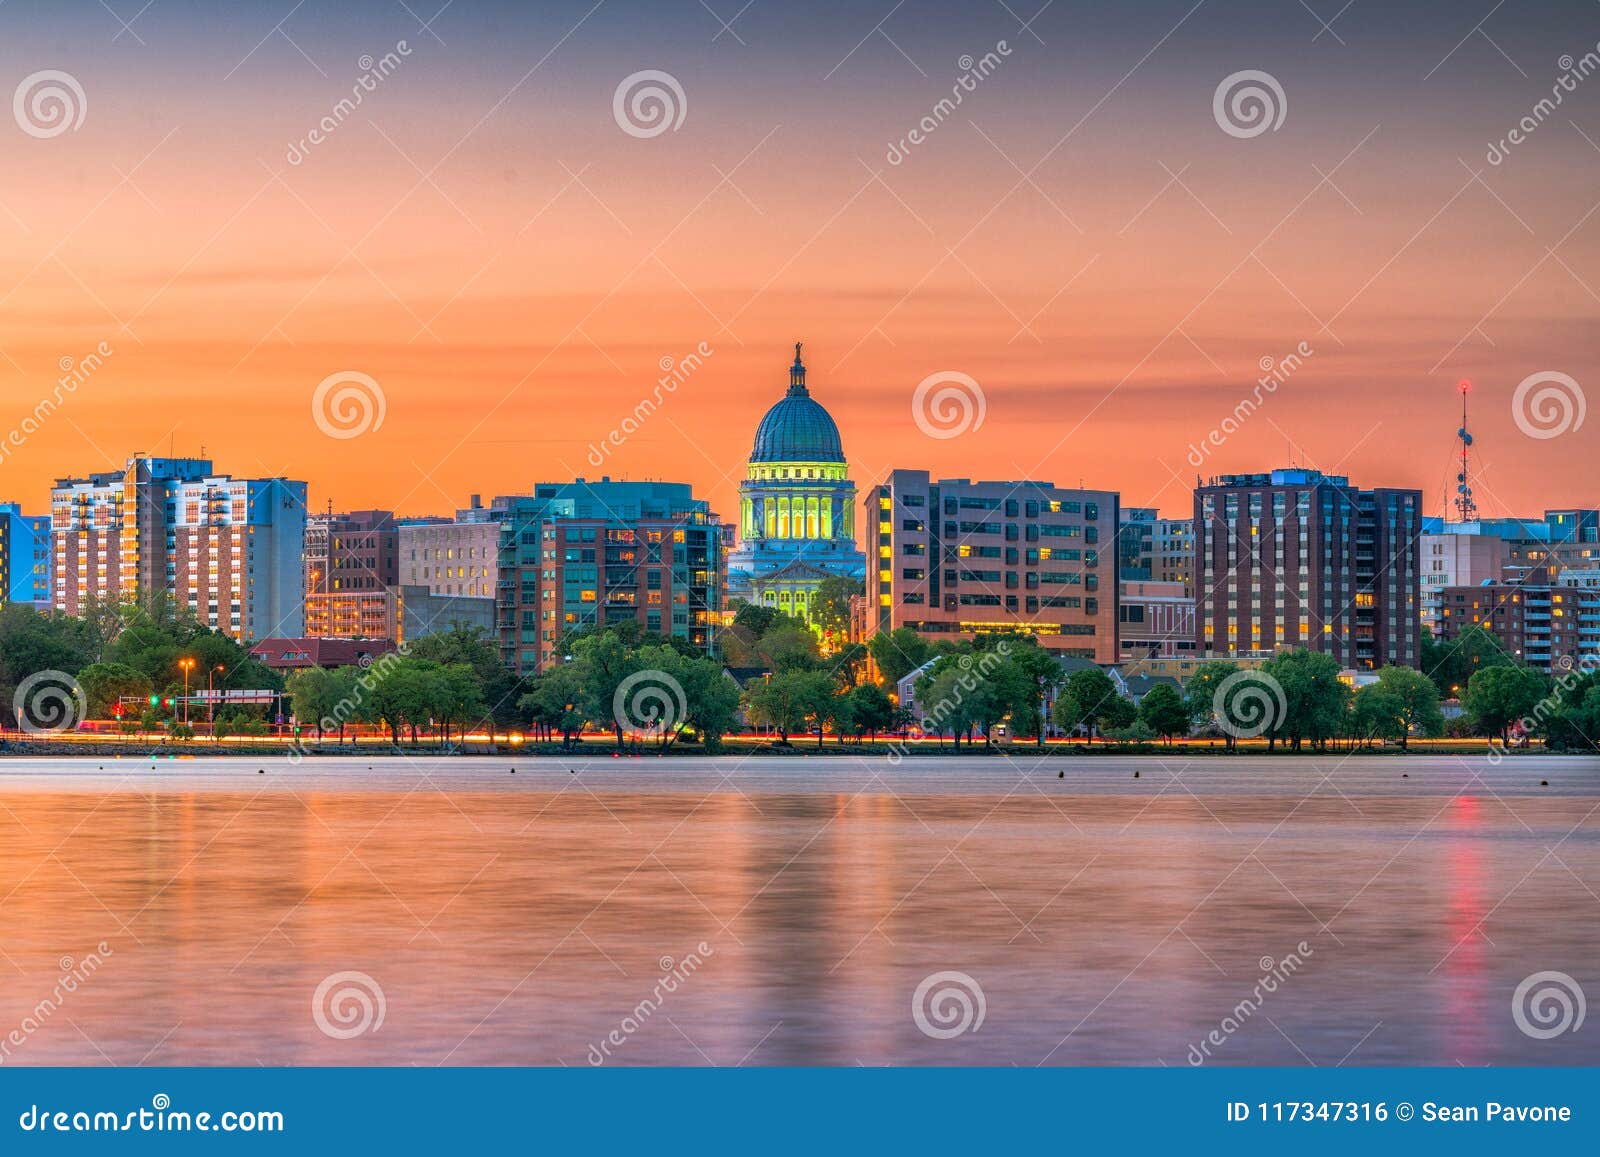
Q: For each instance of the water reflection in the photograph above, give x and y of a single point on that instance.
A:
(1105, 923)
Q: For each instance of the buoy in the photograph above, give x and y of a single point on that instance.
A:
(1061, 775)
(1405, 775)
(1544, 783)
(261, 771)
(1135, 775)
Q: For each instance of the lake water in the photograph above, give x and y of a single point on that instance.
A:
(786, 910)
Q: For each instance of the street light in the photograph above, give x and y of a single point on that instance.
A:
(186, 665)
(211, 700)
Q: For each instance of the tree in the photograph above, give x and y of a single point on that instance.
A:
(1030, 674)
(1310, 700)
(314, 696)
(1419, 701)
(604, 660)
(830, 603)
(1163, 710)
(712, 699)
(1575, 726)
(787, 700)
(873, 710)
(1450, 663)
(554, 702)
(105, 683)
(1200, 693)
(1377, 713)
(898, 653)
(1087, 702)
(1498, 696)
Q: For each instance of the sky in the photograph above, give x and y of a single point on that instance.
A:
(1095, 250)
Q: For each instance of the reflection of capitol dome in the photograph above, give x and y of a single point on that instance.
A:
(797, 506)
(798, 428)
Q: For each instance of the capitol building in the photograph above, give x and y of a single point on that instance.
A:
(797, 517)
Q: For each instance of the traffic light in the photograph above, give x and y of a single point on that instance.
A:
(154, 700)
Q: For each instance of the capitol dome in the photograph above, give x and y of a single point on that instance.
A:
(797, 428)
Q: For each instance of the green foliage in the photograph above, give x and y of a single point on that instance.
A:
(789, 701)
(1452, 663)
(1377, 712)
(898, 653)
(1200, 692)
(830, 604)
(1498, 696)
(104, 683)
(1418, 700)
(1089, 700)
(1164, 712)
(1314, 700)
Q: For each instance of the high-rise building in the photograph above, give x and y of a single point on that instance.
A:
(576, 555)
(351, 572)
(230, 550)
(1155, 549)
(958, 558)
(796, 506)
(24, 556)
(1297, 558)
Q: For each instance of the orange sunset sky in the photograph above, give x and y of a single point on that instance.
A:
(484, 240)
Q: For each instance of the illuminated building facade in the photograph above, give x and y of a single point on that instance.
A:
(577, 555)
(1298, 558)
(958, 558)
(230, 550)
(351, 571)
(796, 506)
